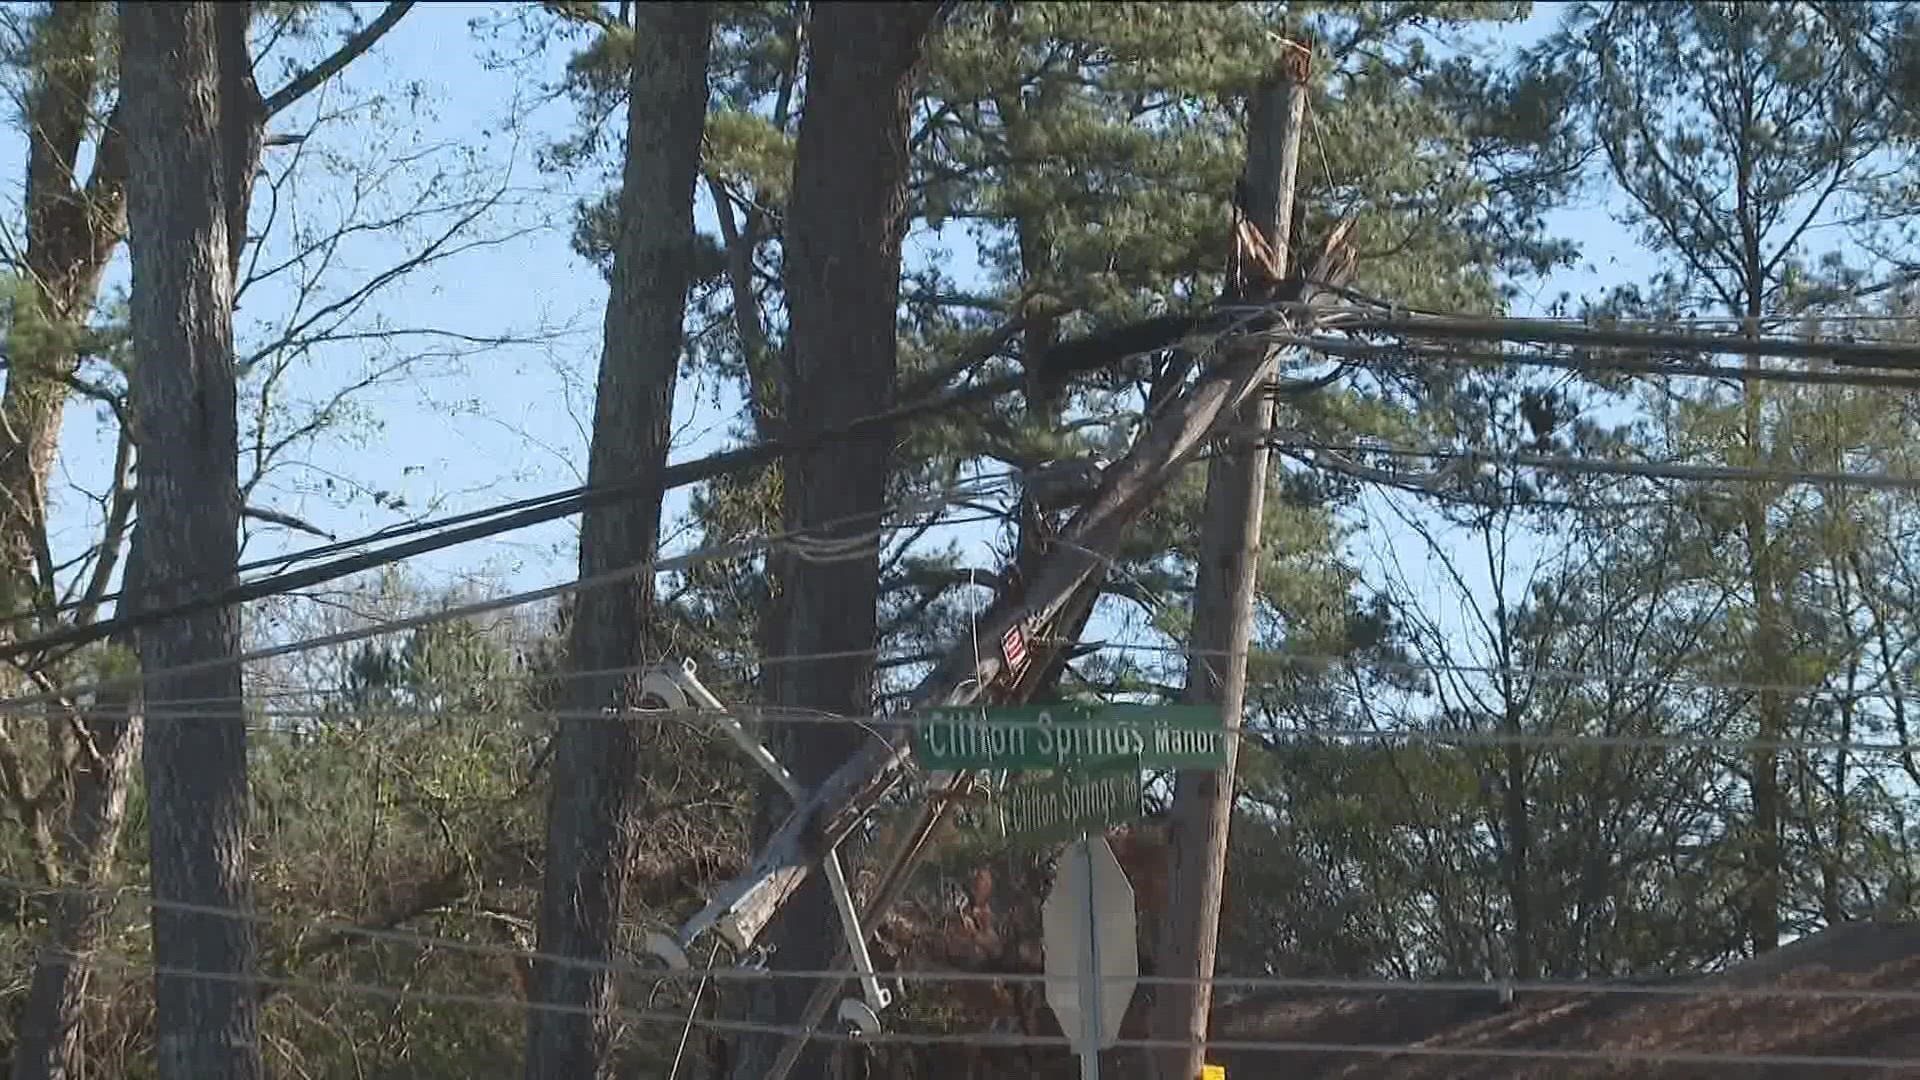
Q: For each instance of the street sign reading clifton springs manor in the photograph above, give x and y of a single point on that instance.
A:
(1069, 736)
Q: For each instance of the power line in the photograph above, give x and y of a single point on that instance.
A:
(981, 1039)
(1270, 738)
(747, 974)
(1544, 672)
(441, 997)
(1266, 737)
(1771, 321)
(1658, 470)
(1265, 657)
(1728, 1059)
(479, 525)
(711, 553)
(1364, 319)
(1455, 355)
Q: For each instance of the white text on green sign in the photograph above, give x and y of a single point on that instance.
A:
(1067, 736)
(1063, 808)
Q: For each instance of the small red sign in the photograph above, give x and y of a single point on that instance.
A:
(1013, 646)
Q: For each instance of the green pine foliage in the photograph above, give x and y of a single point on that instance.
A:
(1071, 167)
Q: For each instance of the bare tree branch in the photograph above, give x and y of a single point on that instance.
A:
(277, 517)
(310, 80)
(119, 505)
(439, 249)
(106, 395)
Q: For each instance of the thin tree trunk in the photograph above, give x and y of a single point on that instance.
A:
(765, 369)
(193, 124)
(72, 230)
(846, 221)
(51, 1043)
(595, 787)
(1763, 917)
(1770, 659)
(1517, 820)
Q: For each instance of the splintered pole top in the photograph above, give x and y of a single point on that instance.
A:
(1294, 58)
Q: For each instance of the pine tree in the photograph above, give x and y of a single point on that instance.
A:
(1739, 134)
(598, 775)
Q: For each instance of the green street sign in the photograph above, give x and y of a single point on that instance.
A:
(1064, 807)
(1069, 736)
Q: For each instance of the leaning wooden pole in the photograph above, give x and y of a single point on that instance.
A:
(1223, 606)
(1077, 563)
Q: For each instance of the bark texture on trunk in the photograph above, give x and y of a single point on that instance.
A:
(74, 226)
(595, 777)
(192, 120)
(846, 220)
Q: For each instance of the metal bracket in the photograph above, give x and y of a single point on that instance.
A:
(877, 996)
(685, 679)
(755, 959)
(681, 689)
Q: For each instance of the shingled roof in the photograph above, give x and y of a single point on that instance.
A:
(1628, 1027)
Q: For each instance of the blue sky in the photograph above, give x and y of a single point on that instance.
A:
(510, 422)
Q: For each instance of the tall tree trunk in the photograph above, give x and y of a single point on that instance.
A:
(845, 224)
(596, 787)
(194, 126)
(1770, 659)
(51, 1045)
(72, 231)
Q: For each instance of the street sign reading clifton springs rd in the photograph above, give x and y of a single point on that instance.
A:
(1068, 736)
(1067, 806)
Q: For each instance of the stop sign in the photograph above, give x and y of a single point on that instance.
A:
(1087, 929)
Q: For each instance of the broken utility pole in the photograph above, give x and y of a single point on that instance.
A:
(1078, 563)
(1223, 597)
(1068, 579)
(1064, 584)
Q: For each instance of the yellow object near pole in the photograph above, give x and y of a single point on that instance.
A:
(1213, 1072)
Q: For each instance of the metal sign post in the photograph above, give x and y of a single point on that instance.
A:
(1089, 973)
